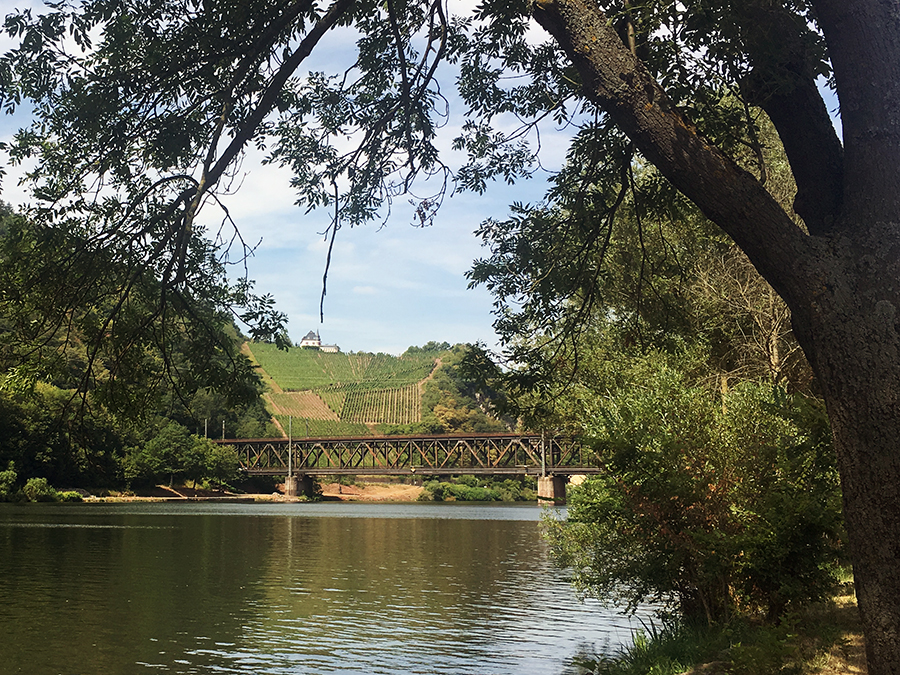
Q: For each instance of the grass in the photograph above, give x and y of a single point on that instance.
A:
(824, 639)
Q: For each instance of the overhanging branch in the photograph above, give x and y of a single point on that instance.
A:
(729, 196)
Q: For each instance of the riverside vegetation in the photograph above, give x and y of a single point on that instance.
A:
(719, 497)
(614, 270)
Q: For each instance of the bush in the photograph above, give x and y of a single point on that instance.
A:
(39, 490)
(69, 496)
(720, 505)
(174, 454)
(8, 482)
(478, 489)
(220, 464)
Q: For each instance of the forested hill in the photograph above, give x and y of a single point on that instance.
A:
(323, 394)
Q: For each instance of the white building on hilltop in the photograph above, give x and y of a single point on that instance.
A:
(312, 341)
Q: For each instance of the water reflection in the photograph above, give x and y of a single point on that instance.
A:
(350, 588)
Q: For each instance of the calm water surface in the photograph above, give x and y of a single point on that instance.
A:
(288, 588)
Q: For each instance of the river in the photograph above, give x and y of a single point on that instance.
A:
(289, 588)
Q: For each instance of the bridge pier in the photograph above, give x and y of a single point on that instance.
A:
(552, 489)
(298, 485)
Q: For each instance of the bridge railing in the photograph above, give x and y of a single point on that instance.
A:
(427, 455)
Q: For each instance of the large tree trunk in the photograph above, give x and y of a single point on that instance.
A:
(849, 330)
(840, 278)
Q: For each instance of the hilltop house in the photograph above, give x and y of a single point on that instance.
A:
(312, 341)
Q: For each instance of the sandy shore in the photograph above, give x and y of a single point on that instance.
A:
(371, 492)
(362, 492)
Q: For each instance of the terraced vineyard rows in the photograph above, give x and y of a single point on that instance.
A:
(300, 369)
(400, 405)
(334, 399)
(309, 428)
(340, 393)
(302, 404)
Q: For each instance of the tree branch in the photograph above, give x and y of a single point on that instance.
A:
(869, 102)
(782, 82)
(275, 86)
(729, 196)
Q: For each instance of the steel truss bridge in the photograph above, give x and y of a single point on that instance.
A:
(489, 454)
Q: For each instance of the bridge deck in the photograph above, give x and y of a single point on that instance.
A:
(493, 454)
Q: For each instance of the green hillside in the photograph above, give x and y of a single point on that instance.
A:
(299, 369)
(426, 390)
(340, 394)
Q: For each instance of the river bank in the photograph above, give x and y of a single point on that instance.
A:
(823, 639)
(358, 492)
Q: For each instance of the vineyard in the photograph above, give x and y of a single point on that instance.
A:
(339, 394)
(301, 404)
(299, 369)
(310, 428)
(401, 405)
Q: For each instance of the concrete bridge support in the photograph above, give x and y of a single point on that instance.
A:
(298, 485)
(552, 489)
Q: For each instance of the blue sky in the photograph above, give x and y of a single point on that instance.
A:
(388, 287)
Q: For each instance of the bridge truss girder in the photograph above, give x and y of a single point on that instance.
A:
(494, 454)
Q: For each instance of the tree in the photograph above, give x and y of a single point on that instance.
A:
(139, 130)
(838, 273)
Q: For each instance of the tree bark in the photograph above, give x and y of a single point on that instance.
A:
(841, 282)
(849, 330)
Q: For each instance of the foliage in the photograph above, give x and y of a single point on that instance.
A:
(44, 434)
(801, 643)
(479, 489)
(62, 320)
(455, 402)
(39, 490)
(210, 412)
(639, 261)
(8, 481)
(69, 404)
(157, 145)
(34, 490)
(173, 454)
(220, 465)
(144, 110)
(719, 503)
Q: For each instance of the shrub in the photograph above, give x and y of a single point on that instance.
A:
(175, 454)
(478, 489)
(718, 505)
(220, 463)
(8, 482)
(39, 490)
